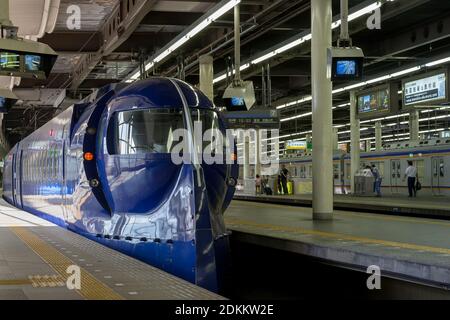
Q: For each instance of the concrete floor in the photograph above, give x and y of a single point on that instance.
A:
(35, 255)
(409, 248)
(422, 205)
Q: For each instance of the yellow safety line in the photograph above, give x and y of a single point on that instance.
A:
(91, 287)
(359, 214)
(15, 282)
(403, 245)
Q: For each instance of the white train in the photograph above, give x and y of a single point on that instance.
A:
(431, 157)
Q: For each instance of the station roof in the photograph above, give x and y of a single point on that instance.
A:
(112, 43)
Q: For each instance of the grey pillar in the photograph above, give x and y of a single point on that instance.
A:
(378, 136)
(207, 76)
(414, 125)
(258, 153)
(4, 13)
(246, 157)
(335, 139)
(321, 15)
(355, 141)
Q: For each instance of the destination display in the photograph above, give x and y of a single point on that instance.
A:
(425, 90)
(377, 101)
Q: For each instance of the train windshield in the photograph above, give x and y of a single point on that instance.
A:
(146, 131)
(152, 130)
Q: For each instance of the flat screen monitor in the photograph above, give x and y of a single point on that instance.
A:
(346, 68)
(431, 88)
(237, 102)
(9, 61)
(33, 62)
(375, 101)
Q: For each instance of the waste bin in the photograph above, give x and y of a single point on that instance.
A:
(364, 186)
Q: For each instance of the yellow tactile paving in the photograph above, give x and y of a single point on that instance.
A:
(240, 222)
(91, 287)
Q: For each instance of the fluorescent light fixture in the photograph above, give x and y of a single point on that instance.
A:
(438, 62)
(378, 79)
(227, 6)
(403, 72)
(364, 11)
(307, 37)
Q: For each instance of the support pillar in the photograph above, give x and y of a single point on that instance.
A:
(414, 125)
(246, 157)
(378, 136)
(321, 16)
(207, 76)
(4, 13)
(258, 153)
(355, 141)
(335, 139)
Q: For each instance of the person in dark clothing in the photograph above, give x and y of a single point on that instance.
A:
(283, 179)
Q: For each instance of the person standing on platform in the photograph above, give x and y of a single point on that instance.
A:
(258, 184)
(411, 175)
(284, 178)
(377, 182)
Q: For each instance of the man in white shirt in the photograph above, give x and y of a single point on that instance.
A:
(411, 175)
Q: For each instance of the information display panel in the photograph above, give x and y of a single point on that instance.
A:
(426, 89)
(376, 102)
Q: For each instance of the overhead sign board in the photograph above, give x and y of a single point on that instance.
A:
(430, 88)
(379, 101)
(296, 145)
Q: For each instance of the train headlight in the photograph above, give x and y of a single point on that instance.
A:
(94, 183)
(232, 182)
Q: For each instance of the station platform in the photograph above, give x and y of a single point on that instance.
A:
(414, 250)
(35, 256)
(438, 206)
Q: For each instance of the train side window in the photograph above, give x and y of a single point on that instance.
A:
(336, 171)
(144, 131)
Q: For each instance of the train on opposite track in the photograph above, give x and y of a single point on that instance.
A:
(431, 157)
(103, 169)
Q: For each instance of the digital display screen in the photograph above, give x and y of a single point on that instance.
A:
(346, 68)
(9, 61)
(425, 90)
(237, 102)
(374, 102)
(33, 62)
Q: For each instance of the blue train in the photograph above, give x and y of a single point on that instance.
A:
(103, 169)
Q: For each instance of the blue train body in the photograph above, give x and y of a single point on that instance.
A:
(130, 197)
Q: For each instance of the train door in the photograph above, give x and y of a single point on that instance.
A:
(14, 177)
(63, 181)
(437, 175)
(396, 176)
(19, 170)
